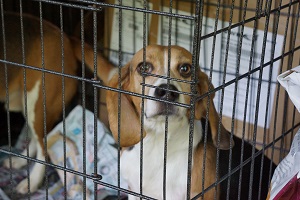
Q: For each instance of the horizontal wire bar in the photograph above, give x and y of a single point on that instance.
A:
(246, 21)
(142, 96)
(245, 162)
(169, 78)
(95, 177)
(69, 5)
(246, 74)
(239, 8)
(92, 177)
(123, 190)
(139, 9)
(51, 72)
(169, 90)
(162, 13)
(96, 82)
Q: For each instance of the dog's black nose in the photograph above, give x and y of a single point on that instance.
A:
(162, 91)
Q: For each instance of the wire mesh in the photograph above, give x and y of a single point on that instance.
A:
(242, 46)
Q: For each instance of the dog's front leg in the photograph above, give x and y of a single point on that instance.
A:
(36, 175)
(16, 162)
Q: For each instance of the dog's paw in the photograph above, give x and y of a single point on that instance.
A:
(16, 163)
(22, 187)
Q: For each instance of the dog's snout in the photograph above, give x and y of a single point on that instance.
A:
(163, 90)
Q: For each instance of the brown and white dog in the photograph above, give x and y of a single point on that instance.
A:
(154, 118)
(52, 58)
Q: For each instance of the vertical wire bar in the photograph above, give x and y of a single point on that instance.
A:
(168, 94)
(239, 50)
(248, 86)
(247, 95)
(44, 97)
(195, 60)
(192, 9)
(119, 96)
(95, 39)
(220, 68)
(289, 66)
(28, 140)
(294, 36)
(7, 97)
(161, 24)
(134, 30)
(208, 103)
(176, 22)
(246, 102)
(143, 100)
(83, 98)
(258, 11)
(167, 105)
(278, 90)
(63, 98)
(258, 97)
(204, 43)
(222, 95)
(274, 37)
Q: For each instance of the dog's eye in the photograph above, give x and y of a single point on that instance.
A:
(144, 68)
(185, 70)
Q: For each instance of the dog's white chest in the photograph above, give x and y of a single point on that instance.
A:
(153, 165)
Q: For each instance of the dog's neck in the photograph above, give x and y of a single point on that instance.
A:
(153, 157)
(178, 130)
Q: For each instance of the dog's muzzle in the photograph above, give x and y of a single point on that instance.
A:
(168, 93)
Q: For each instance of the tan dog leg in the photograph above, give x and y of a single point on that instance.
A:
(36, 145)
(37, 127)
(32, 95)
(36, 175)
(17, 163)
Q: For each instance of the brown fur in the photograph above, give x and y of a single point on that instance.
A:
(33, 57)
(209, 173)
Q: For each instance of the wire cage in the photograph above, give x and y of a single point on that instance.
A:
(242, 46)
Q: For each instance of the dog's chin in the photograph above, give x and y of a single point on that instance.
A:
(161, 115)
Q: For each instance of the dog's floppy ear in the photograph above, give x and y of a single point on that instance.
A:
(214, 120)
(130, 126)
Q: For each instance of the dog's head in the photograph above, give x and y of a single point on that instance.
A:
(152, 69)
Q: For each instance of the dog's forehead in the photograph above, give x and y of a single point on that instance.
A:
(158, 52)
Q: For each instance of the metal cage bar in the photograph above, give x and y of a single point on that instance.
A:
(265, 18)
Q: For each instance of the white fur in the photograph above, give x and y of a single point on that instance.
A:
(32, 97)
(166, 61)
(17, 162)
(36, 175)
(153, 150)
(153, 158)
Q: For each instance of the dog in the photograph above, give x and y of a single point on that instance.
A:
(128, 132)
(155, 113)
(42, 95)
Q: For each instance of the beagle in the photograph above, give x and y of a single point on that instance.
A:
(40, 93)
(126, 128)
